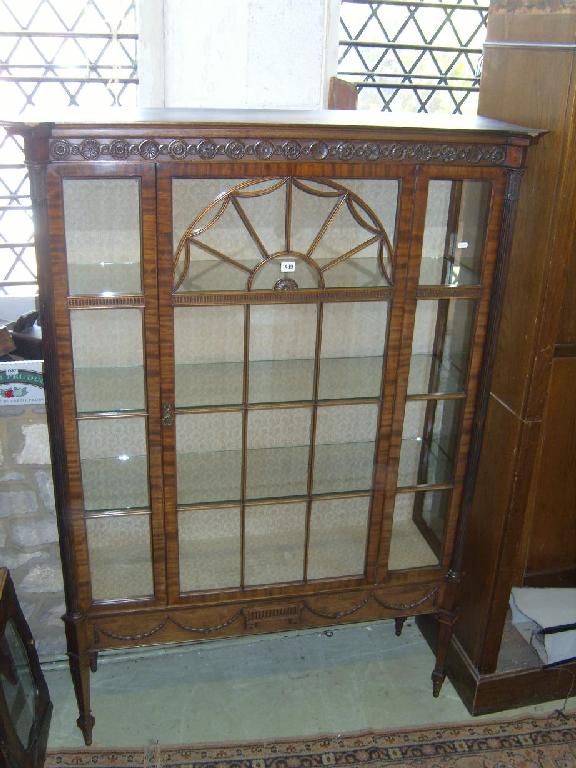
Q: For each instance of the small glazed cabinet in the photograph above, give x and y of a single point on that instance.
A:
(264, 346)
(25, 706)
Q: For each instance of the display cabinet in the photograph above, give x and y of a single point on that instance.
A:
(25, 707)
(264, 353)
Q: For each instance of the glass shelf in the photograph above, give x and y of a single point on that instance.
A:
(271, 381)
(119, 482)
(108, 389)
(278, 381)
(215, 476)
(349, 378)
(343, 467)
(208, 384)
(451, 375)
(354, 273)
(438, 466)
(214, 275)
(277, 472)
(209, 476)
(105, 278)
(456, 274)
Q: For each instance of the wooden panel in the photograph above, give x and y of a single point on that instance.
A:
(553, 537)
(540, 99)
(486, 524)
(567, 328)
(500, 521)
(522, 683)
(532, 21)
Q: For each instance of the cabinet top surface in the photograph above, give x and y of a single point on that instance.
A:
(151, 119)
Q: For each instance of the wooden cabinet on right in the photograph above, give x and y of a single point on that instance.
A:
(522, 523)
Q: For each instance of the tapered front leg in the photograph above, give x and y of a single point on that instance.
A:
(399, 625)
(80, 660)
(446, 622)
(446, 617)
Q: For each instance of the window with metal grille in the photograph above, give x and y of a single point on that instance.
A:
(413, 56)
(54, 54)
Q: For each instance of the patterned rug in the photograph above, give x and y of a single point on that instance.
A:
(533, 742)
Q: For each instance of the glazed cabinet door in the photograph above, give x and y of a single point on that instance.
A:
(450, 277)
(278, 293)
(103, 233)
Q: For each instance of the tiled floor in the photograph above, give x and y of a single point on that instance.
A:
(303, 683)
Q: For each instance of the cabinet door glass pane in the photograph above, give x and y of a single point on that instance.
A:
(418, 518)
(353, 340)
(102, 221)
(274, 543)
(348, 227)
(114, 463)
(278, 450)
(441, 346)
(282, 346)
(17, 683)
(345, 442)
(231, 235)
(209, 548)
(429, 441)
(338, 533)
(454, 232)
(209, 457)
(219, 231)
(108, 359)
(209, 354)
(119, 548)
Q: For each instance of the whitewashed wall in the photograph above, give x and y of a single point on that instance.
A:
(238, 53)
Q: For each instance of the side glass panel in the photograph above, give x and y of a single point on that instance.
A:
(119, 549)
(209, 457)
(454, 232)
(344, 451)
(113, 455)
(17, 684)
(209, 548)
(102, 223)
(275, 535)
(338, 537)
(108, 359)
(282, 347)
(429, 441)
(209, 354)
(414, 544)
(441, 346)
(278, 450)
(233, 235)
(353, 340)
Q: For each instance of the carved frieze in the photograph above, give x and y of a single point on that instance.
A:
(280, 149)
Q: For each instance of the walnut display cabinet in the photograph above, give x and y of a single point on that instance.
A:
(266, 352)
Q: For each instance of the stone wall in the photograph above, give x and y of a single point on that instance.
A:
(28, 532)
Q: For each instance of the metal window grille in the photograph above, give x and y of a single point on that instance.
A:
(413, 55)
(54, 54)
